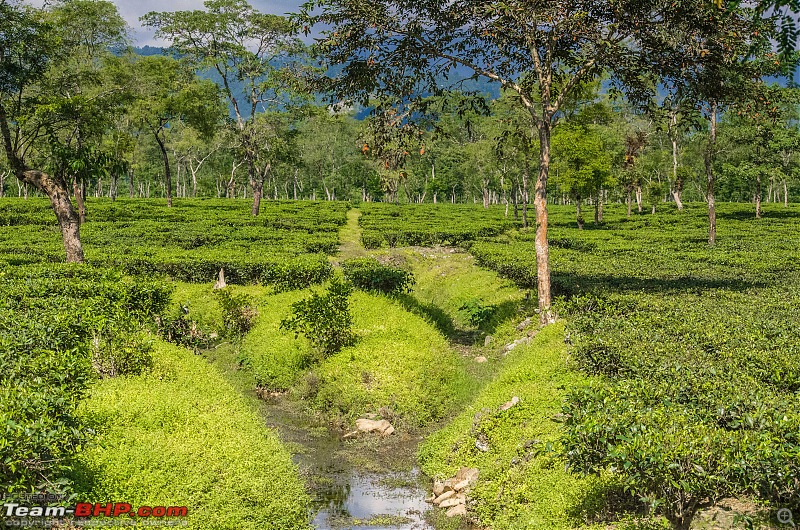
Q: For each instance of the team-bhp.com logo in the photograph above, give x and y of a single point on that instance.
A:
(93, 515)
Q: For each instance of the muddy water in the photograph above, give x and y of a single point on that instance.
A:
(370, 501)
(365, 484)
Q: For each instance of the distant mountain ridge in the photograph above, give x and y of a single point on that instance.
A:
(481, 86)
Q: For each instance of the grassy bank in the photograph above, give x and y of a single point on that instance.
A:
(520, 486)
(400, 363)
(181, 435)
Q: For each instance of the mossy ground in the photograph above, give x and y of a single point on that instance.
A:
(182, 435)
(519, 485)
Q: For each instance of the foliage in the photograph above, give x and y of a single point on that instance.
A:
(239, 313)
(424, 225)
(519, 486)
(56, 323)
(181, 435)
(478, 313)
(662, 320)
(370, 275)
(192, 241)
(324, 320)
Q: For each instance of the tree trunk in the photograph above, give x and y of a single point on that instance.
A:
(525, 177)
(639, 198)
(578, 216)
(257, 191)
(597, 206)
(785, 194)
(515, 198)
(676, 194)
(673, 134)
(708, 159)
(131, 188)
(600, 206)
(757, 196)
(68, 219)
(3, 184)
(542, 248)
(167, 171)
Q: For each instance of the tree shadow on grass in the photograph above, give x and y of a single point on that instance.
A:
(569, 285)
(750, 214)
(449, 327)
(605, 503)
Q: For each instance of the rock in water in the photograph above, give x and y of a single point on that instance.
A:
(221, 281)
(382, 427)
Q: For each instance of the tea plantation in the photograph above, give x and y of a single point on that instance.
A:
(669, 383)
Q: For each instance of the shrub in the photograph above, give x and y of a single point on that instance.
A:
(182, 330)
(477, 312)
(239, 313)
(368, 274)
(371, 239)
(54, 321)
(325, 320)
(126, 353)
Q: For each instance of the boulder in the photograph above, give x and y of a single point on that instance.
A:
(382, 427)
(438, 488)
(524, 324)
(487, 340)
(481, 359)
(469, 474)
(443, 497)
(449, 484)
(458, 510)
(453, 501)
(461, 486)
(508, 404)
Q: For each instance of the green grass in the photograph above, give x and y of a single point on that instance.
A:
(446, 280)
(183, 436)
(400, 361)
(519, 485)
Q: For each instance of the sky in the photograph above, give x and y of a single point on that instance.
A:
(131, 10)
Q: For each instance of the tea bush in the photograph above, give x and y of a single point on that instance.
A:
(429, 224)
(56, 322)
(324, 320)
(238, 313)
(285, 247)
(695, 350)
(370, 275)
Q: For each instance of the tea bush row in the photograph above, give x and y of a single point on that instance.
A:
(694, 349)
(429, 224)
(284, 247)
(61, 327)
